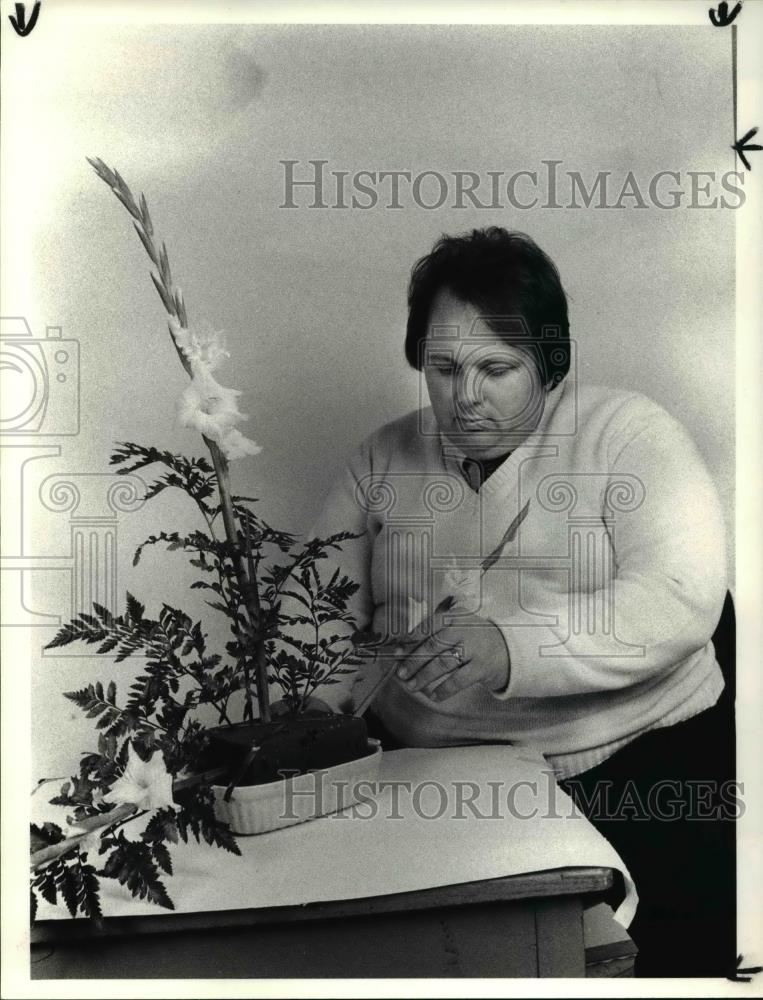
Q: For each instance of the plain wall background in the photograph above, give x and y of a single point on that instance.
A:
(313, 302)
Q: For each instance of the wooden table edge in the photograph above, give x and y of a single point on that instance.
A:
(578, 881)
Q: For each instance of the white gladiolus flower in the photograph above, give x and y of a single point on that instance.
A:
(203, 346)
(209, 407)
(147, 785)
(206, 405)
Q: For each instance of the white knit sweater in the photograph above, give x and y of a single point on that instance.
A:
(607, 598)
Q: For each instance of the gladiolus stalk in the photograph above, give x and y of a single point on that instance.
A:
(174, 304)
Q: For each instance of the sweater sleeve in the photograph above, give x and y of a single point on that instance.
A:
(345, 510)
(669, 573)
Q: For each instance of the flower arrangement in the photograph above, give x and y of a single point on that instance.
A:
(152, 747)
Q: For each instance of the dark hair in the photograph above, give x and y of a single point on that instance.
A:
(502, 274)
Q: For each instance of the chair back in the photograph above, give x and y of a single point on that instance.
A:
(724, 640)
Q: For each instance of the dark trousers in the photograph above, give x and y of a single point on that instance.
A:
(667, 803)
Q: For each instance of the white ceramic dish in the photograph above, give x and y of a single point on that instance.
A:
(261, 808)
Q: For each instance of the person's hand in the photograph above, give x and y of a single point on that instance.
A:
(471, 652)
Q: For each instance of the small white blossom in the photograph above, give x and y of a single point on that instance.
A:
(147, 785)
(235, 445)
(463, 585)
(417, 612)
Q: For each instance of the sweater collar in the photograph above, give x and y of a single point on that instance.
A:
(453, 456)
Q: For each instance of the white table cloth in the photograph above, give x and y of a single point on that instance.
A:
(519, 822)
